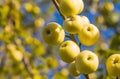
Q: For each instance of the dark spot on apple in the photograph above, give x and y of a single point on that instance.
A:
(88, 29)
(115, 61)
(48, 32)
(89, 58)
(64, 45)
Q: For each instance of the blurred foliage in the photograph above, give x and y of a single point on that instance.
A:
(23, 55)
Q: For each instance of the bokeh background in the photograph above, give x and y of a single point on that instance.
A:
(24, 55)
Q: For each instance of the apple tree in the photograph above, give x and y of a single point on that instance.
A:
(59, 39)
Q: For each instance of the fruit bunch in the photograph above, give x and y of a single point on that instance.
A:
(80, 62)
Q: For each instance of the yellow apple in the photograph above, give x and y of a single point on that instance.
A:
(113, 65)
(108, 6)
(74, 24)
(28, 7)
(53, 34)
(87, 62)
(36, 9)
(68, 51)
(16, 55)
(71, 7)
(89, 35)
(39, 22)
(72, 69)
(100, 19)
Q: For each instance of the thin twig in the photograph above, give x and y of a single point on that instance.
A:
(57, 6)
(72, 38)
(80, 45)
(117, 77)
(67, 36)
(3, 61)
(27, 65)
(87, 76)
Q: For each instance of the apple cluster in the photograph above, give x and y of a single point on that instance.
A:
(80, 62)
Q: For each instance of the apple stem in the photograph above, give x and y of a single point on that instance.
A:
(117, 77)
(87, 76)
(72, 37)
(80, 45)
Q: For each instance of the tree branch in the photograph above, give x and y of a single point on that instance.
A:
(71, 35)
(57, 6)
(27, 65)
(117, 77)
(87, 76)
(3, 61)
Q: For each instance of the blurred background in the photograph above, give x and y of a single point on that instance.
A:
(24, 55)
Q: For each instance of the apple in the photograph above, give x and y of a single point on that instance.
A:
(51, 62)
(100, 19)
(112, 19)
(113, 65)
(89, 35)
(68, 51)
(28, 7)
(53, 34)
(71, 7)
(74, 24)
(86, 62)
(72, 69)
(39, 22)
(36, 9)
(16, 55)
(108, 6)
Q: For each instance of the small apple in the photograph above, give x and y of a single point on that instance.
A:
(112, 19)
(108, 6)
(51, 62)
(100, 19)
(113, 65)
(53, 34)
(86, 62)
(72, 69)
(68, 51)
(74, 24)
(71, 7)
(39, 22)
(89, 35)
(36, 9)
(16, 55)
(28, 7)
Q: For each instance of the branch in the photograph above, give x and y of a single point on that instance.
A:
(67, 36)
(27, 65)
(117, 77)
(57, 6)
(72, 38)
(87, 76)
(3, 61)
